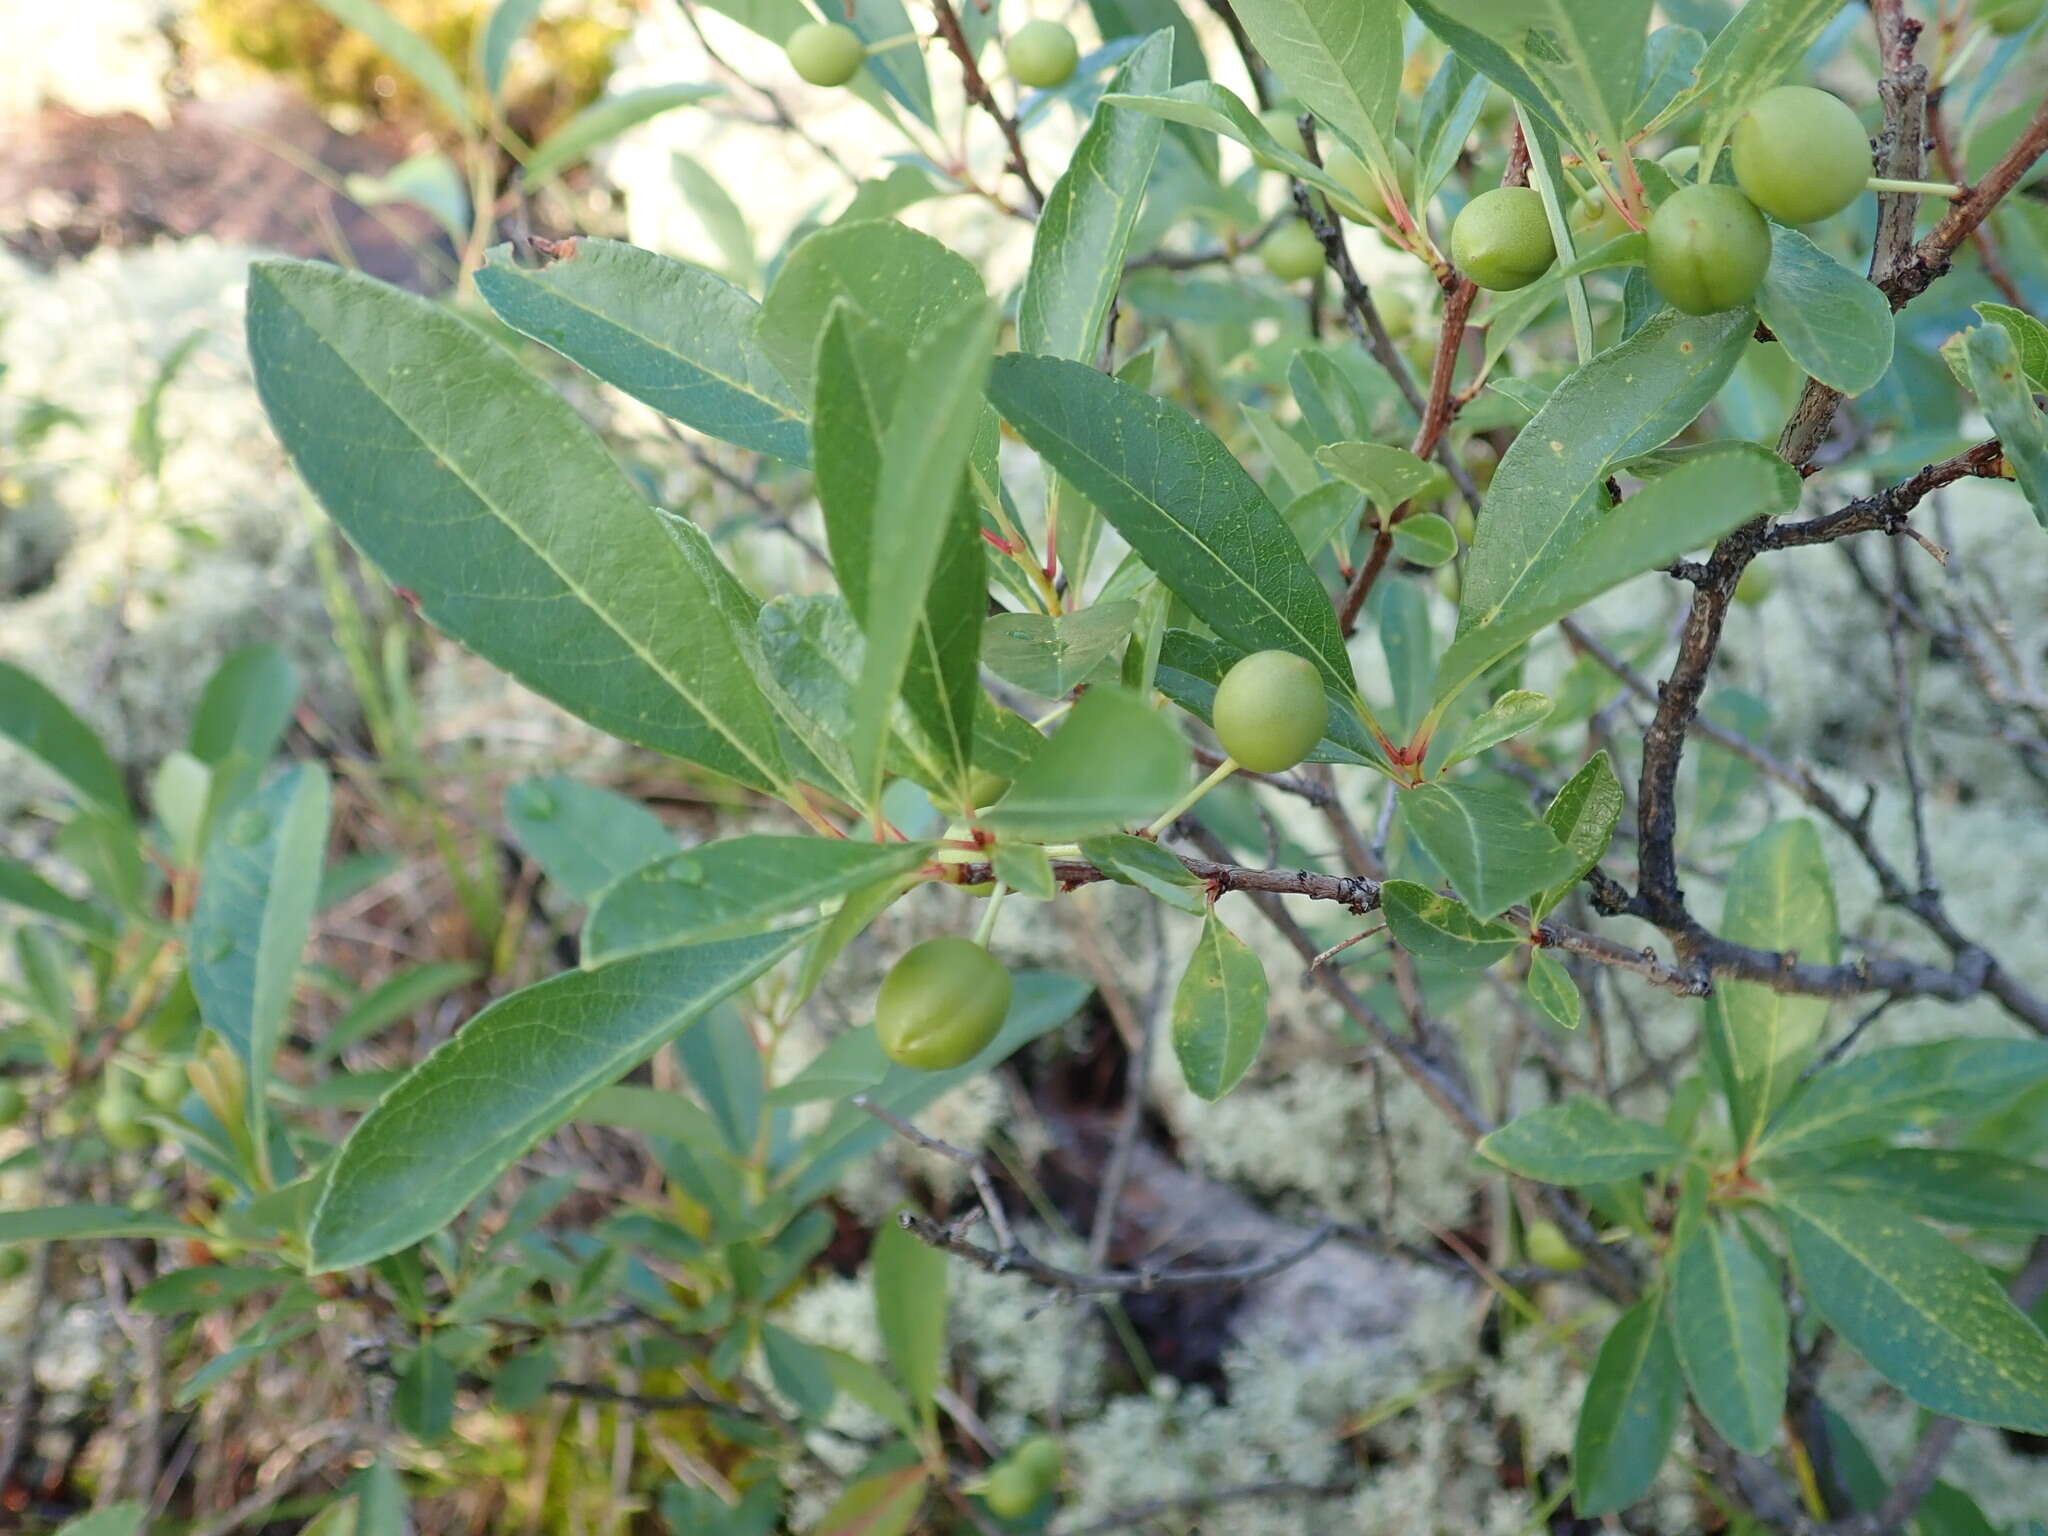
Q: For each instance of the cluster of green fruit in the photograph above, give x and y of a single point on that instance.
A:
(1040, 54)
(1014, 1486)
(946, 999)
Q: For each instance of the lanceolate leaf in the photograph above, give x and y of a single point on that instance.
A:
(1632, 397)
(1175, 493)
(1048, 656)
(2008, 400)
(1491, 849)
(21, 886)
(725, 888)
(671, 335)
(257, 891)
(1217, 109)
(1340, 58)
(1703, 498)
(42, 725)
(583, 836)
(1630, 1412)
(508, 1077)
(501, 514)
(55, 1223)
(909, 1280)
(1388, 476)
(1973, 1189)
(604, 120)
(1927, 1317)
(409, 51)
(1077, 252)
(1219, 1012)
(1113, 761)
(1579, 1141)
(1780, 897)
(1729, 1324)
(1884, 1091)
(1835, 323)
(1574, 64)
(1516, 711)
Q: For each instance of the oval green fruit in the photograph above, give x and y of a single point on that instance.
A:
(1800, 154)
(1501, 239)
(1292, 252)
(119, 1115)
(1755, 584)
(1680, 163)
(1270, 711)
(2009, 18)
(1042, 1457)
(1368, 197)
(1708, 249)
(13, 1263)
(941, 1004)
(1547, 1245)
(1009, 1491)
(164, 1084)
(1594, 221)
(1284, 123)
(985, 788)
(826, 53)
(1041, 54)
(13, 1102)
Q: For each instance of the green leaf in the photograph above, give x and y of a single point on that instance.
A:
(1835, 323)
(1492, 850)
(244, 708)
(62, 1223)
(583, 837)
(1025, 868)
(1765, 41)
(917, 509)
(1179, 498)
(909, 1282)
(851, 1064)
(1442, 931)
(724, 889)
(257, 893)
(1972, 1189)
(409, 51)
(517, 1070)
(523, 1380)
(1926, 1316)
(1451, 104)
(724, 222)
(1579, 1141)
(2008, 401)
(1217, 109)
(501, 34)
(2029, 338)
(501, 511)
(1552, 989)
(865, 1384)
(604, 120)
(1113, 760)
(1388, 476)
(115, 1520)
(1629, 1414)
(673, 336)
(1671, 55)
(204, 1287)
(1084, 231)
(1427, 541)
(398, 996)
(799, 1370)
(1139, 861)
(899, 71)
(1219, 1012)
(903, 283)
(1340, 58)
(1049, 655)
(885, 1504)
(1543, 499)
(1583, 815)
(423, 1395)
(428, 180)
(1516, 711)
(1779, 897)
(23, 887)
(1572, 62)
(1687, 509)
(42, 725)
(1887, 1090)
(1729, 1325)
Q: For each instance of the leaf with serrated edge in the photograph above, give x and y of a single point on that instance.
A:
(1219, 1012)
(1925, 1315)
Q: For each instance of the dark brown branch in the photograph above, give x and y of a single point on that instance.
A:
(1930, 258)
(979, 95)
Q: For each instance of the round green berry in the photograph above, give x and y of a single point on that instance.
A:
(119, 1114)
(1800, 154)
(1547, 1245)
(1041, 54)
(1501, 239)
(1292, 252)
(1708, 249)
(1009, 1491)
(1755, 585)
(941, 1004)
(826, 53)
(1042, 1458)
(1680, 163)
(164, 1084)
(1284, 123)
(1368, 197)
(1270, 711)
(13, 1263)
(985, 788)
(2009, 18)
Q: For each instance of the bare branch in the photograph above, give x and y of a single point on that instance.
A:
(1020, 1260)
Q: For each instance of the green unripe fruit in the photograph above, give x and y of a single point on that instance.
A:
(13, 1264)
(1368, 197)
(2008, 18)
(1466, 524)
(1680, 163)
(1397, 311)
(826, 53)
(1755, 585)
(1009, 1491)
(1042, 1458)
(1041, 54)
(1501, 239)
(1547, 1245)
(1481, 459)
(164, 1085)
(119, 1116)
(1594, 221)
(1292, 252)
(1708, 249)
(985, 788)
(13, 1102)
(1270, 711)
(941, 1004)
(1800, 154)
(1284, 123)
